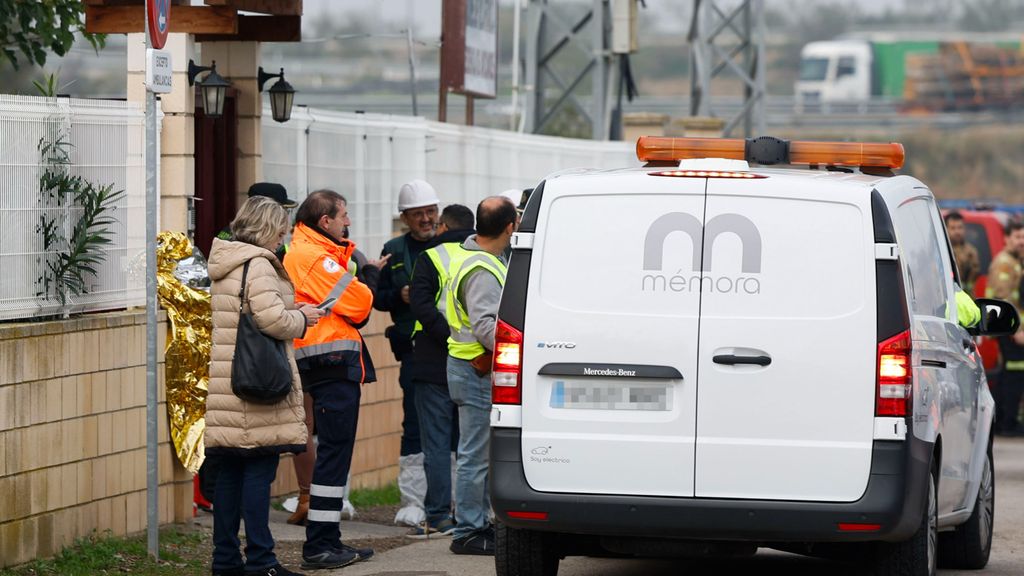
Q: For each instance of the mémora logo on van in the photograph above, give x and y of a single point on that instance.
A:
(701, 278)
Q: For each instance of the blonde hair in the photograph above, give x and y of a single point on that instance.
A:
(259, 221)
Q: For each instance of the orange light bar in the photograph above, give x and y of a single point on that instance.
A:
(757, 150)
(660, 149)
(889, 155)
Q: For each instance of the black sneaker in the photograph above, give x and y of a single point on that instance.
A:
(239, 571)
(363, 553)
(275, 570)
(329, 559)
(479, 543)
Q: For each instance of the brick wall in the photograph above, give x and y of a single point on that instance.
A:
(73, 434)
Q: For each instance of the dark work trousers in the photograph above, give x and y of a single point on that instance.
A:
(336, 414)
(1008, 396)
(243, 492)
(439, 430)
(1010, 386)
(410, 420)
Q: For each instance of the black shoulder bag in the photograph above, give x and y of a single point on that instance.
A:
(260, 372)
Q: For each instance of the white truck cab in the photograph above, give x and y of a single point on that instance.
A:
(834, 71)
(705, 352)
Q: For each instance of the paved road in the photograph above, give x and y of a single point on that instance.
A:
(431, 558)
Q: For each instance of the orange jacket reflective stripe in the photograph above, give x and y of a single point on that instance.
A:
(318, 267)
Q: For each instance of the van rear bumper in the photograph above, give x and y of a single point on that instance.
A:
(895, 498)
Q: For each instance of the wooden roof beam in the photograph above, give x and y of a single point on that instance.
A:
(275, 7)
(260, 29)
(184, 19)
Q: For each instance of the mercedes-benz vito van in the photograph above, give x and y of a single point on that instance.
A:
(710, 353)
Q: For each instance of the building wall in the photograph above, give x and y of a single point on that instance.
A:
(73, 434)
(239, 63)
(177, 133)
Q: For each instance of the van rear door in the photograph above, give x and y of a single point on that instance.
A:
(786, 383)
(610, 338)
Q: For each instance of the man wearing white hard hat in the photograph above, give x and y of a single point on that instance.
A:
(418, 205)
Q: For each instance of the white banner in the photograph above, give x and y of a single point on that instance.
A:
(481, 73)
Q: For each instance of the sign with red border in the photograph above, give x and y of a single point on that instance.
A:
(159, 14)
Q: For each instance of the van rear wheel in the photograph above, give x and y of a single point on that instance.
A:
(968, 547)
(519, 552)
(917, 556)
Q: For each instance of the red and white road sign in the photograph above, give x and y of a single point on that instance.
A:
(159, 14)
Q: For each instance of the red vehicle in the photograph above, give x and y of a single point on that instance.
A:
(985, 230)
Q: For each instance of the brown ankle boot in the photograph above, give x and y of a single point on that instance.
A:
(302, 510)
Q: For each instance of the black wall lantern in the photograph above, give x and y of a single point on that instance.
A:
(282, 95)
(214, 88)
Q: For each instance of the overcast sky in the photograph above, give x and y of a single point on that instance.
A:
(427, 13)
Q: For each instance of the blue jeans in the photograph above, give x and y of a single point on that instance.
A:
(243, 491)
(472, 394)
(439, 420)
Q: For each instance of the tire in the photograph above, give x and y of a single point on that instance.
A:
(968, 547)
(520, 552)
(917, 556)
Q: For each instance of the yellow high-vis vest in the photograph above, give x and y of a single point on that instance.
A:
(462, 343)
(440, 258)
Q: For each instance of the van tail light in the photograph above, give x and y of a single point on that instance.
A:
(895, 390)
(506, 375)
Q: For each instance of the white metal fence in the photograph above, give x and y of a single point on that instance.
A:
(367, 157)
(107, 147)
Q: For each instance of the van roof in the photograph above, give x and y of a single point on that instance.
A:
(853, 180)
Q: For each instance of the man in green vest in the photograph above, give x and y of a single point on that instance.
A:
(476, 278)
(418, 206)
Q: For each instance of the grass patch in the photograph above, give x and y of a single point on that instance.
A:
(103, 554)
(365, 497)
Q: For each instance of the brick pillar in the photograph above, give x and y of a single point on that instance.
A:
(177, 139)
(239, 63)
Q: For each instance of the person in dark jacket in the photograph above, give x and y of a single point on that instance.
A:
(438, 415)
(418, 205)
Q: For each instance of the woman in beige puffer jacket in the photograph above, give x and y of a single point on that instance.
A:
(247, 439)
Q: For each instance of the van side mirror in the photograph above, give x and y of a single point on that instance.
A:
(998, 318)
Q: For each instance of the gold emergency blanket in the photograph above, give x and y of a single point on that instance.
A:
(187, 368)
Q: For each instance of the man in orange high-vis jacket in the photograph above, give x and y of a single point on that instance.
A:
(333, 363)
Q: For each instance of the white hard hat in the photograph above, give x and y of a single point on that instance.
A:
(417, 194)
(515, 195)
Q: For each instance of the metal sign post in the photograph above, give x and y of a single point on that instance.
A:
(158, 66)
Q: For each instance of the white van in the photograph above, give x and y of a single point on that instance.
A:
(710, 354)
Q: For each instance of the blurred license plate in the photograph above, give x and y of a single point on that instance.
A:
(603, 395)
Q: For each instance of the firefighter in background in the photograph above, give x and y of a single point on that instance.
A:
(1004, 283)
(966, 254)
